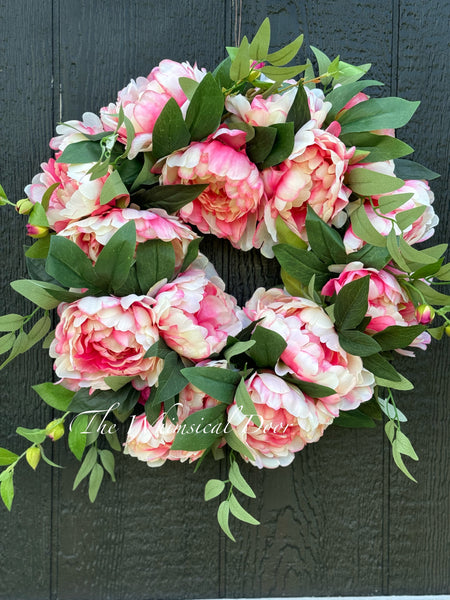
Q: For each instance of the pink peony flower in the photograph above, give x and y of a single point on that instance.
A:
(195, 316)
(93, 233)
(313, 352)
(76, 197)
(230, 205)
(312, 176)
(389, 304)
(263, 112)
(419, 231)
(288, 420)
(100, 337)
(143, 100)
(72, 132)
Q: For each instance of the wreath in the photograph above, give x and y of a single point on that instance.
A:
(307, 170)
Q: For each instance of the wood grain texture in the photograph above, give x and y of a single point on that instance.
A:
(26, 121)
(341, 519)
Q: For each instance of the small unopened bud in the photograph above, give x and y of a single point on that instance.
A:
(424, 314)
(54, 430)
(33, 456)
(122, 201)
(37, 231)
(447, 330)
(24, 206)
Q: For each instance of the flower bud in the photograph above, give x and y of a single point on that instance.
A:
(447, 330)
(54, 430)
(24, 206)
(424, 314)
(37, 231)
(33, 456)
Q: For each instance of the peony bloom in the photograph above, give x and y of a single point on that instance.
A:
(195, 316)
(419, 231)
(230, 205)
(389, 304)
(143, 100)
(313, 352)
(72, 132)
(77, 196)
(288, 420)
(311, 176)
(93, 233)
(263, 112)
(101, 337)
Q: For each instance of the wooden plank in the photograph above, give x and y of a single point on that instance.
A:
(321, 517)
(149, 535)
(419, 551)
(26, 120)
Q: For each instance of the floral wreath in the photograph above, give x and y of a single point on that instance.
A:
(310, 172)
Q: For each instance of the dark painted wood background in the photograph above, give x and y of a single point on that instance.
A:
(341, 520)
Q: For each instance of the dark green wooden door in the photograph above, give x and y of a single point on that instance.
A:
(342, 520)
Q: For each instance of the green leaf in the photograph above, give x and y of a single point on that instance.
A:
(238, 348)
(430, 295)
(77, 436)
(117, 382)
(128, 397)
(285, 235)
(380, 367)
(284, 55)
(216, 382)
(114, 261)
(259, 46)
(235, 443)
(188, 86)
(11, 322)
(245, 404)
(371, 256)
(391, 411)
(200, 429)
(222, 73)
(95, 481)
(159, 348)
(213, 488)
(39, 330)
(351, 303)
(69, 265)
(354, 418)
(237, 480)
(282, 146)
(169, 197)
(341, 95)
(155, 260)
(36, 292)
(408, 169)
(407, 217)
(87, 465)
(403, 384)
(278, 74)
(112, 188)
(427, 270)
(397, 336)
(299, 112)
(112, 438)
(268, 348)
(350, 73)
(38, 216)
(191, 254)
(7, 457)
(37, 436)
(171, 380)
(39, 249)
(99, 400)
(205, 109)
(392, 246)
(301, 264)
(325, 242)
(20, 345)
(358, 343)
(81, 152)
(378, 113)
(380, 147)
(437, 332)
(170, 132)
(145, 176)
(363, 228)
(7, 342)
(389, 203)
(223, 514)
(7, 490)
(444, 273)
(370, 183)
(108, 463)
(259, 147)
(240, 513)
(240, 65)
(323, 62)
(55, 395)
